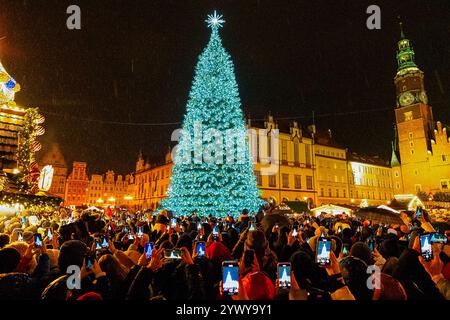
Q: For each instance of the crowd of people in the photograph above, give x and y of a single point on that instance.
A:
(121, 255)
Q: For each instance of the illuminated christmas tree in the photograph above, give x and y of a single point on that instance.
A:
(213, 173)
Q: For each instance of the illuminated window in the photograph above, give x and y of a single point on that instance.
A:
(272, 180)
(258, 178)
(285, 180)
(298, 182)
(309, 183)
(283, 150)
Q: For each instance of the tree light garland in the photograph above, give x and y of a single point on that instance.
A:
(219, 187)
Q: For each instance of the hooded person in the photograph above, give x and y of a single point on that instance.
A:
(389, 289)
(217, 252)
(258, 286)
(354, 272)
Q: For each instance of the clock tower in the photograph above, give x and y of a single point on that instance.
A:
(414, 119)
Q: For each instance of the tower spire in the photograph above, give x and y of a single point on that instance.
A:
(405, 53)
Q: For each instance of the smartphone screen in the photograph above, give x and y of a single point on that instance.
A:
(345, 250)
(19, 236)
(139, 233)
(200, 248)
(438, 238)
(230, 276)
(284, 275)
(172, 254)
(104, 243)
(371, 244)
(252, 226)
(323, 252)
(24, 220)
(294, 232)
(148, 249)
(425, 247)
(130, 237)
(49, 234)
(173, 223)
(418, 213)
(38, 240)
(199, 225)
(339, 230)
(89, 262)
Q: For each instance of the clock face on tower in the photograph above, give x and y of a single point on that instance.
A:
(406, 99)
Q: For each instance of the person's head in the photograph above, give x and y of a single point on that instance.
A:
(245, 212)
(362, 251)
(114, 270)
(354, 272)
(390, 248)
(185, 241)
(9, 260)
(257, 241)
(390, 289)
(4, 240)
(258, 286)
(72, 252)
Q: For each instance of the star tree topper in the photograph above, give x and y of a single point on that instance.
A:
(215, 20)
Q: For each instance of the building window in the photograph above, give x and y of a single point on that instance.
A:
(298, 181)
(307, 154)
(396, 174)
(397, 185)
(309, 183)
(444, 157)
(344, 193)
(418, 188)
(329, 192)
(272, 180)
(285, 180)
(337, 193)
(411, 135)
(321, 192)
(411, 144)
(283, 150)
(296, 155)
(444, 184)
(412, 151)
(258, 178)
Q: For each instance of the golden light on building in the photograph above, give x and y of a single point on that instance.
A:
(100, 200)
(111, 199)
(128, 198)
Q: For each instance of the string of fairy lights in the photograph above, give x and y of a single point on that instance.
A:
(150, 124)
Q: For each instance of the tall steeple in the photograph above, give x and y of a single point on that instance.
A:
(405, 53)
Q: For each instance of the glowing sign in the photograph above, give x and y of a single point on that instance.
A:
(46, 178)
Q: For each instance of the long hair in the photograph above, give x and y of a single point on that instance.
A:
(114, 270)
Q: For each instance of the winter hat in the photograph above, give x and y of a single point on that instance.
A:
(392, 231)
(258, 286)
(390, 289)
(90, 296)
(218, 252)
(72, 252)
(9, 260)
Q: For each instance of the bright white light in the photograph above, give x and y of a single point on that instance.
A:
(215, 20)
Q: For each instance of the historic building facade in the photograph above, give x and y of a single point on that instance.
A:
(77, 185)
(422, 151)
(151, 182)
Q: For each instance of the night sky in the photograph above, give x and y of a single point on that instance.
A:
(133, 62)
